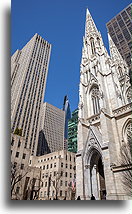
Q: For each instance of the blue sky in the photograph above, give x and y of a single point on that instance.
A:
(61, 23)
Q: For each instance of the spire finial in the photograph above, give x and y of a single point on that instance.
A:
(90, 25)
(87, 12)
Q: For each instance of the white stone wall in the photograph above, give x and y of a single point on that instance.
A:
(107, 138)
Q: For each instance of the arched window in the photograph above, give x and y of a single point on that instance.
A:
(92, 45)
(129, 95)
(129, 132)
(98, 40)
(95, 100)
(126, 149)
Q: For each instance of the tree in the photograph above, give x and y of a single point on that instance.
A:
(126, 163)
(72, 189)
(17, 175)
(56, 184)
(32, 191)
(18, 132)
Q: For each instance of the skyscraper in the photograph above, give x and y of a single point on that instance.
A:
(72, 132)
(66, 109)
(29, 68)
(51, 135)
(120, 28)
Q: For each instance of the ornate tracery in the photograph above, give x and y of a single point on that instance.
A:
(129, 132)
(129, 95)
(95, 100)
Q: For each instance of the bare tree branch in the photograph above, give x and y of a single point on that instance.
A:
(126, 163)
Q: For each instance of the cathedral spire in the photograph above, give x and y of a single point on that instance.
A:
(114, 53)
(90, 26)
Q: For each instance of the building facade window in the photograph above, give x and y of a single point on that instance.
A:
(98, 40)
(60, 192)
(44, 193)
(17, 154)
(22, 166)
(92, 45)
(61, 182)
(95, 100)
(12, 142)
(24, 156)
(19, 143)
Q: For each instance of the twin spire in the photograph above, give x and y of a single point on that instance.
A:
(91, 29)
(114, 53)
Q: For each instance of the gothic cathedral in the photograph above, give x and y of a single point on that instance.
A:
(104, 125)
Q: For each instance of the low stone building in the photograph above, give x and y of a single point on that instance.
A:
(25, 180)
(58, 173)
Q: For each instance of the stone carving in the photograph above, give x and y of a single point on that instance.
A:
(87, 166)
(101, 94)
(122, 109)
(92, 141)
(80, 106)
(129, 95)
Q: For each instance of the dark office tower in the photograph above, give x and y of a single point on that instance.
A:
(51, 135)
(66, 109)
(120, 28)
(29, 68)
(72, 132)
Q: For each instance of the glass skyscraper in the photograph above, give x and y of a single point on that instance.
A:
(72, 132)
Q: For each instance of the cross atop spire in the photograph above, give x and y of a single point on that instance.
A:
(90, 26)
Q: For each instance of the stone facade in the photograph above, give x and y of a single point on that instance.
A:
(29, 69)
(104, 115)
(58, 174)
(27, 187)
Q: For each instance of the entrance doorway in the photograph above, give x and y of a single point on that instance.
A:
(97, 178)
